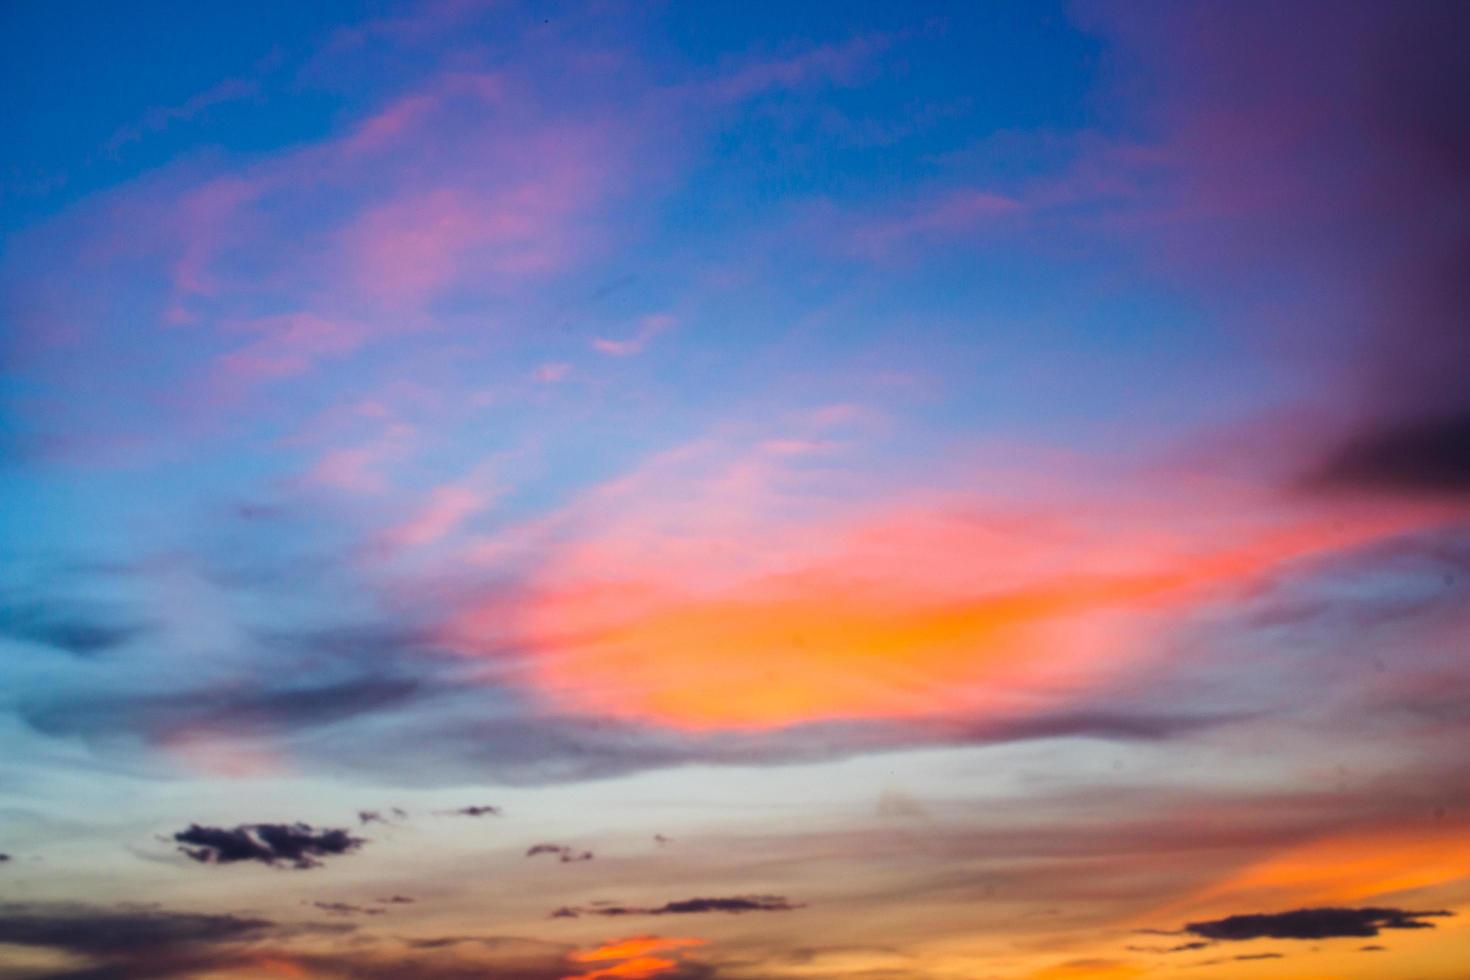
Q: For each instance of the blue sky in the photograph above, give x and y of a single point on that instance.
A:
(927, 490)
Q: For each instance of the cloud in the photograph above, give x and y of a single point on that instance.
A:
(459, 183)
(842, 63)
(1318, 145)
(81, 629)
(1330, 867)
(690, 906)
(517, 747)
(282, 347)
(92, 930)
(159, 118)
(1181, 948)
(144, 943)
(141, 943)
(305, 680)
(298, 844)
(346, 908)
(447, 508)
(477, 811)
(906, 606)
(1426, 455)
(227, 710)
(648, 328)
(633, 958)
(953, 214)
(1313, 923)
(564, 853)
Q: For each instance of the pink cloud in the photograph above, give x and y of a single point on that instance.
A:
(952, 213)
(840, 64)
(447, 508)
(358, 469)
(288, 345)
(159, 118)
(519, 211)
(203, 219)
(403, 115)
(648, 328)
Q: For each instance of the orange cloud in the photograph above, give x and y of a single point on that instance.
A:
(635, 954)
(729, 594)
(1098, 969)
(634, 946)
(1345, 869)
(634, 969)
(279, 966)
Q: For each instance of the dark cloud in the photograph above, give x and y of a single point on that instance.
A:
(1324, 146)
(346, 908)
(1181, 948)
(81, 629)
(142, 943)
(1240, 958)
(1314, 923)
(458, 958)
(476, 811)
(378, 816)
(93, 931)
(395, 900)
(1430, 455)
(689, 906)
(135, 943)
(462, 739)
(565, 853)
(298, 844)
(4, 858)
(231, 710)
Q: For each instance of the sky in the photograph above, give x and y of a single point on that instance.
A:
(734, 491)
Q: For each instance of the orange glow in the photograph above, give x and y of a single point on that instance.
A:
(633, 946)
(1094, 969)
(634, 952)
(634, 969)
(1350, 868)
(754, 661)
(898, 615)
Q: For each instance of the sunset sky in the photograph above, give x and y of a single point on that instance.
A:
(601, 490)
